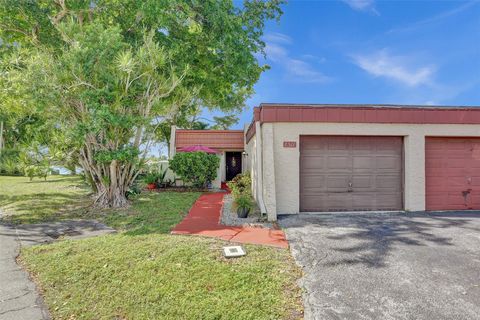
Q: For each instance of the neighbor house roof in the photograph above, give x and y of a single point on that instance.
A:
(363, 113)
(216, 139)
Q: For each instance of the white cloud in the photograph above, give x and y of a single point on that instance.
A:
(305, 71)
(362, 5)
(398, 68)
(277, 37)
(434, 19)
(296, 68)
(276, 52)
(311, 57)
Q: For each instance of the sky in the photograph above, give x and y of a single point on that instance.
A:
(367, 51)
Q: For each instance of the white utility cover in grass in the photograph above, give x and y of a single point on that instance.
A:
(233, 251)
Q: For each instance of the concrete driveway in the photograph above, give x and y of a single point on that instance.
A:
(388, 266)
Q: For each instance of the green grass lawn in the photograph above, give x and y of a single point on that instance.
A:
(143, 272)
(24, 201)
(163, 277)
(151, 212)
(66, 197)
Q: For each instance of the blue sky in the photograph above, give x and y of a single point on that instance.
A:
(365, 51)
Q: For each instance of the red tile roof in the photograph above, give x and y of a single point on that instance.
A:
(215, 139)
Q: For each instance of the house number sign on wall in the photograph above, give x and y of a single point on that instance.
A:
(289, 144)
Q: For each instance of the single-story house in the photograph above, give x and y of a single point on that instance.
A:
(316, 158)
(229, 143)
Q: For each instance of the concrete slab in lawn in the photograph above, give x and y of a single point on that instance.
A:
(19, 299)
(388, 266)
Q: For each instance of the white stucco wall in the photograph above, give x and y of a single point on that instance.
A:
(217, 183)
(281, 165)
(250, 162)
(268, 169)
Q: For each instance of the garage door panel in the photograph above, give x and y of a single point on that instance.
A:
(363, 162)
(452, 168)
(455, 163)
(310, 143)
(338, 144)
(364, 201)
(337, 201)
(326, 202)
(338, 162)
(314, 183)
(337, 182)
(393, 163)
(360, 173)
(475, 182)
(381, 201)
(315, 163)
(476, 152)
(475, 201)
(387, 181)
(435, 163)
(362, 182)
(389, 201)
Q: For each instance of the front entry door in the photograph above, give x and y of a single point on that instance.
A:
(233, 164)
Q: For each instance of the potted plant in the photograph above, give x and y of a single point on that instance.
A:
(151, 180)
(244, 205)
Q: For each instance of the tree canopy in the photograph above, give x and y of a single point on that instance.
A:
(106, 75)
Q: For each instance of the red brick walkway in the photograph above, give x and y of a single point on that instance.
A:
(204, 220)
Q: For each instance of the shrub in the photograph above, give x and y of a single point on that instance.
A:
(10, 167)
(241, 187)
(244, 201)
(151, 177)
(241, 184)
(195, 168)
(156, 174)
(9, 162)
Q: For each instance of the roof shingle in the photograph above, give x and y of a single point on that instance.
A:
(216, 139)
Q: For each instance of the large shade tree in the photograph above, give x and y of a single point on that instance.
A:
(105, 73)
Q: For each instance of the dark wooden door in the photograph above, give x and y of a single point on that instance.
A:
(343, 173)
(233, 164)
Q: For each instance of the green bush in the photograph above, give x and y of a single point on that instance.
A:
(195, 168)
(156, 174)
(9, 163)
(10, 167)
(241, 187)
(244, 201)
(151, 177)
(241, 184)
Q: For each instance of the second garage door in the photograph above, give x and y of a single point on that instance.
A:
(342, 173)
(452, 169)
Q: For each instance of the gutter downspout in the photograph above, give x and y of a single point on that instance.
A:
(261, 203)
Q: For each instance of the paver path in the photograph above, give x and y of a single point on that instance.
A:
(204, 220)
(19, 299)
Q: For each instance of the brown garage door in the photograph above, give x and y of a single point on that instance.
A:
(452, 170)
(339, 173)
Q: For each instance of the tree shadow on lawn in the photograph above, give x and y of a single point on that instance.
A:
(368, 238)
(150, 213)
(42, 207)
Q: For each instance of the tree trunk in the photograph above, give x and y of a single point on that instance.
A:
(109, 182)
